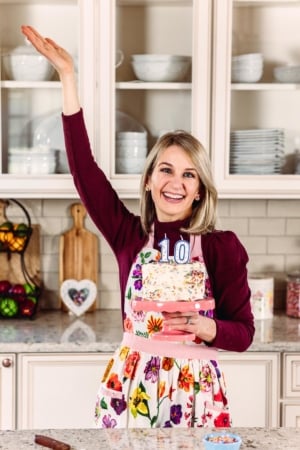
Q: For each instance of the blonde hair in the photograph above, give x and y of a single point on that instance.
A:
(203, 219)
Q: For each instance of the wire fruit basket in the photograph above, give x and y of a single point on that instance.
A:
(18, 297)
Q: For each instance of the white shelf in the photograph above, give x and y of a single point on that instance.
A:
(265, 86)
(140, 85)
(9, 84)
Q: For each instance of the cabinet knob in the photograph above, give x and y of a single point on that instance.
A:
(6, 362)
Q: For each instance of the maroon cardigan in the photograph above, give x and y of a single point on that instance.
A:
(224, 255)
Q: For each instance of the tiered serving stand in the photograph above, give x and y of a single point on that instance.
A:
(141, 304)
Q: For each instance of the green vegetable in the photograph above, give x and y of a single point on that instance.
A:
(8, 307)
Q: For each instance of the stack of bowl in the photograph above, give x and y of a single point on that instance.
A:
(247, 68)
(131, 151)
(31, 161)
(287, 74)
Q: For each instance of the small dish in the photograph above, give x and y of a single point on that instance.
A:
(221, 440)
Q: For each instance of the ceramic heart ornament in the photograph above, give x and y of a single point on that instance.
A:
(78, 296)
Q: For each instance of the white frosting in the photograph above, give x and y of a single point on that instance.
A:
(173, 282)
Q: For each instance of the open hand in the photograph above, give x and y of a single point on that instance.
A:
(57, 56)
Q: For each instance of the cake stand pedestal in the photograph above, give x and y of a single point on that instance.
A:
(141, 304)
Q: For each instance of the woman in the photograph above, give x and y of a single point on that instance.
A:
(150, 381)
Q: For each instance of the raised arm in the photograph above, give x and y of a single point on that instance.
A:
(62, 62)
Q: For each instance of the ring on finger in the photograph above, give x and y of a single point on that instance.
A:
(188, 320)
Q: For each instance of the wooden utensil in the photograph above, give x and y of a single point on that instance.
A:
(78, 252)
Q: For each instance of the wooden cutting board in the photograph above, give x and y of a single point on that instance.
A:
(78, 252)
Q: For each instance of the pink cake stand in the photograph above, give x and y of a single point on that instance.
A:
(141, 304)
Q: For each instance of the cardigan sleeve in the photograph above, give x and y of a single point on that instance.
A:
(226, 261)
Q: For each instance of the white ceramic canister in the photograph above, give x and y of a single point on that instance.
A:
(262, 296)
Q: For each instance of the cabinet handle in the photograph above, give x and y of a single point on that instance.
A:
(7, 362)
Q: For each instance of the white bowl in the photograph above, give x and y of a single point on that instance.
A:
(246, 64)
(246, 57)
(246, 75)
(31, 161)
(131, 152)
(127, 143)
(287, 74)
(130, 165)
(132, 135)
(161, 68)
(27, 67)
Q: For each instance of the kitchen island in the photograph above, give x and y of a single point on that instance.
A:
(162, 439)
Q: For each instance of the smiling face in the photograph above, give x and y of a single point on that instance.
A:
(174, 184)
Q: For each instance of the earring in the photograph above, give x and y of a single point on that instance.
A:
(197, 198)
(147, 188)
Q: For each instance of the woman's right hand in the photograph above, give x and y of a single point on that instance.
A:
(62, 62)
(57, 56)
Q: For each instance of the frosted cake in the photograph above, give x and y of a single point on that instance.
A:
(173, 282)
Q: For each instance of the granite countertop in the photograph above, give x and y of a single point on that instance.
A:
(163, 439)
(101, 331)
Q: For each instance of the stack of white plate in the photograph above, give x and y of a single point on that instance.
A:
(256, 151)
(131, 151)
(247, 68)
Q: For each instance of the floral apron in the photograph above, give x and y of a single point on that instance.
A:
(150, 383)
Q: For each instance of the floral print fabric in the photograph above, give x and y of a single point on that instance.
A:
(143, 390)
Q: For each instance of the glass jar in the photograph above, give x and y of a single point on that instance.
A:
(293, 295)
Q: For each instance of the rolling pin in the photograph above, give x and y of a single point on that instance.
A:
(49, 442)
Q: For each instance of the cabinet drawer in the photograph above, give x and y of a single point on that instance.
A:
(291, 375)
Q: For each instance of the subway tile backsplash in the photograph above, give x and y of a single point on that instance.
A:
(269, 229)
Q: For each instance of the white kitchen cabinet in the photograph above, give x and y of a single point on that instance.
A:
(58, 390)
(7, 391)
(253, 384)
(271, 28)
(207, 103)
(95, 28)
(291, 390)
(25, 105)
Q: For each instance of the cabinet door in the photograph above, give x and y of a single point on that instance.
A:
(291, 390)
(30, 109)
(252, 380)
(58, 390)
(291, 415)
(291, 375)
(127, 104)
(260, 163)
(7, 391)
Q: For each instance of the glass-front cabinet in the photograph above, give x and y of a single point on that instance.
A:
(33, 160)
(228, 71)
(157, 79)
(256, 98)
